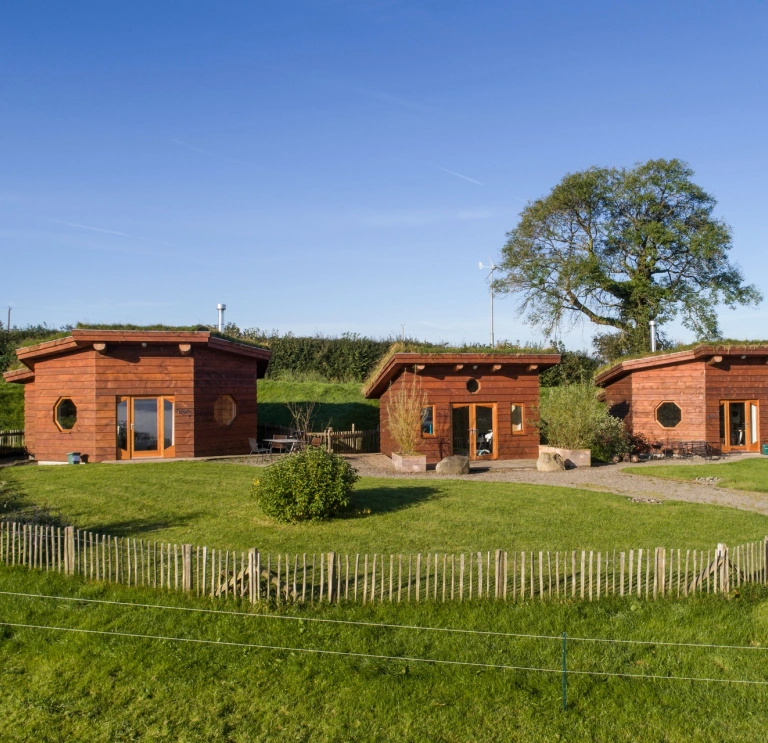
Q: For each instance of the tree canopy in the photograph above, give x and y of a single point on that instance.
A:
(620, 247)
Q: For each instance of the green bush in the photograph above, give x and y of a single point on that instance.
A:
(306, 486)
(573, 418)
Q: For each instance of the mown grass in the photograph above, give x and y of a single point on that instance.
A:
(745, 474)
(211, 504)
(11, 406)
(65, 686)
(337, 404)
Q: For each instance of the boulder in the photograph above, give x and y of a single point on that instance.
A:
(453, 466)
(550, 462)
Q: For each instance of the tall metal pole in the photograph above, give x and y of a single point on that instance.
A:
(9, 319)
(492, 339)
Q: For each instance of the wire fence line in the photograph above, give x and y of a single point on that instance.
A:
(563, 671)
(377, 578)
(384, 625)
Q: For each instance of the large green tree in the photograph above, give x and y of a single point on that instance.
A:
(620, 247)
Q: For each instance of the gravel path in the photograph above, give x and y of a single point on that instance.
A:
(609, 478)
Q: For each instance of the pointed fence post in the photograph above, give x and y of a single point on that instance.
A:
(69, 550)
(331, 575)
(186, 567)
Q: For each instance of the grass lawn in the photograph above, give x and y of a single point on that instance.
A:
(745, 474)
(336, 404)
(64, 686)
(211, 504)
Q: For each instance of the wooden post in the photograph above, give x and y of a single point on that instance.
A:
(331, 575)
(186, 574)
(252, 575)
(69, 553)
(461, 577)
(541, 576)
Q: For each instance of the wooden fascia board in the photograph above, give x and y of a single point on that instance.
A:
(86, 337)
(220, 344)
(50, 348)
(19, 376)
(399, 362)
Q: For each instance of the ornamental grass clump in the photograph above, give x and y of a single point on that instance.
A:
(405, 404)
(573, 418)
(306, 486)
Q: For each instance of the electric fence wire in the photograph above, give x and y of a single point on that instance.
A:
(322, 620)
(372, 656)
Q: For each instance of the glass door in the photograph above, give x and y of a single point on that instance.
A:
(474, 430)
(145, 427)
(739, 425)
(460, 430)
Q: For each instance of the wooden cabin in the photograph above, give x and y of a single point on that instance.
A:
(484, 406)
(115, 394)
(709, 395)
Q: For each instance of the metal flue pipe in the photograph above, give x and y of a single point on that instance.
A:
(221, 308)
(652, 323)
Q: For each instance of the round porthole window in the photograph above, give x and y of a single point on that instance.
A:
(225, 410)
(473, 386)
(668, 414)
(65, 414)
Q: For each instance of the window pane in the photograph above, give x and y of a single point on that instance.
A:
(145, 424)
(66, 414)
(167, 424)
(517, 418)
(753, 423)
(428, 421)
(122, 425)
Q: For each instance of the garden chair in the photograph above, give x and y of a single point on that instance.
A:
(261, 451)
(281, 448)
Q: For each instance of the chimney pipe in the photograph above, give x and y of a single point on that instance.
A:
(221, 307)
(652, 323)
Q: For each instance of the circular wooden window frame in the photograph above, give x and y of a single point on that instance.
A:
(656, 415)
(56, 417)
(477, 382)
(234, 413)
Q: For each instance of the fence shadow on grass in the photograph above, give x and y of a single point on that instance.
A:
(143, 528)
(367, 501)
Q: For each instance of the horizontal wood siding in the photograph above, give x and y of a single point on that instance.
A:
(217, 374)
(445, 388)
(736, 379)
(70, 376)
(135, 371)
(682, 384)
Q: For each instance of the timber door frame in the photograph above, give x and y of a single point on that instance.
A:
(473, 428)
(161, 451)
(747, 446)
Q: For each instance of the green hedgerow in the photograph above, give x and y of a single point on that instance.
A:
(308, 485)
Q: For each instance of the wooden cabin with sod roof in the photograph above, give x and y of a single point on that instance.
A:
(709, 399)
(480, 405)
(127, 394)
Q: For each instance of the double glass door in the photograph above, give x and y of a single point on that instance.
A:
(739, 425)
(474, 430)
(145, 427)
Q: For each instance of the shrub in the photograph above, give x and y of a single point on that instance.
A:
(308, 485)
(405, 405)
(573, 418)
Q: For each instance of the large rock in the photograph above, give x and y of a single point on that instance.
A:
(550, 462)
(453, 466)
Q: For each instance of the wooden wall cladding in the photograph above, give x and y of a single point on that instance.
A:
(71, 376)
(736, 379)
(152, 371)
(218, 374)
(445, 388)
(697, 388)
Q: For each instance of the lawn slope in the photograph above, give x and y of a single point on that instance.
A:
(745, 474)
(66, 686)
(211, 504)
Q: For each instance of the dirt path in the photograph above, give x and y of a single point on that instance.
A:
(609, 478)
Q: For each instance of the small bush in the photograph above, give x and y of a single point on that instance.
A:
(573, 418)
(306, 486)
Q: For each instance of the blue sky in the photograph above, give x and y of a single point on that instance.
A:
(343, 166)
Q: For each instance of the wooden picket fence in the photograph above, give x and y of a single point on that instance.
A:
(368, 578)
(11, 442)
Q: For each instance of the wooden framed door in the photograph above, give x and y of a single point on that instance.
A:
(740, 425)
(145, 427)
(473, 430)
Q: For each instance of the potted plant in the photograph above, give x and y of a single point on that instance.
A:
(575, 425)
(404, 410)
